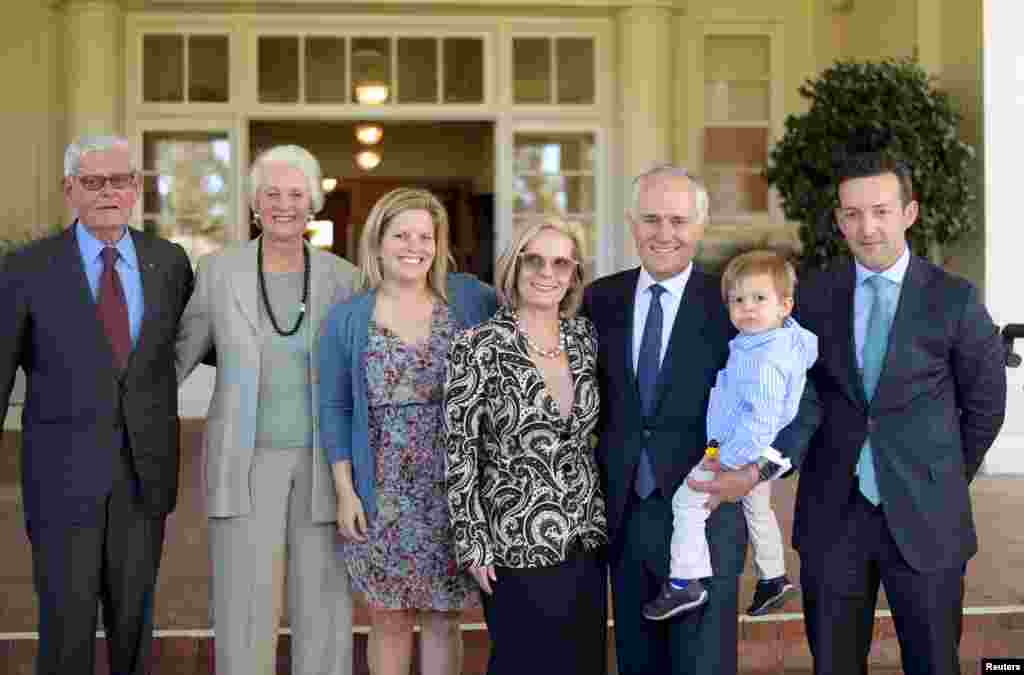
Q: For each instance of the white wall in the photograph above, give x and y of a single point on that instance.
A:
(1004, 147)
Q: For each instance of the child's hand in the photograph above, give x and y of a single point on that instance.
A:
(711, 464)
(711, 461)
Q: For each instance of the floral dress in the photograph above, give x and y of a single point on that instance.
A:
(407, 561)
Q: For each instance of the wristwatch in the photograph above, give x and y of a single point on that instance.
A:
(766, 469)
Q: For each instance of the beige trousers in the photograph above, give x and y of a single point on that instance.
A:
(253, 553)
(691, 558)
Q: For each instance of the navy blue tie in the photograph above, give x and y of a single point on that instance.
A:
(647, 381)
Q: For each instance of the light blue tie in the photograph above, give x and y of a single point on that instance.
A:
(876, 342)
(648, 365)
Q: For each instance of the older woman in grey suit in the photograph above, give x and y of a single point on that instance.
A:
(270, 493)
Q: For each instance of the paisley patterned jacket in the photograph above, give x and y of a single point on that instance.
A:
(523, 487)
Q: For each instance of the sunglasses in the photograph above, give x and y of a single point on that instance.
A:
(534, 263)
(95, 182)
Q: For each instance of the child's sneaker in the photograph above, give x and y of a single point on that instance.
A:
(771, 594)
(672, 601)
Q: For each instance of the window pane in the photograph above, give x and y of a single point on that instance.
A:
(163, 68)
(736, 146)
(325, 70)
(188, 195)
(463, 70)
(279, 69)
(531, 70)
(150, 195)
(737, 101)
(554, 153)
(737, 57)
(575, 70)
(371, 65)
(417, 70)
(577, 195)
(567, 195)
(208, 68)
(736, 192)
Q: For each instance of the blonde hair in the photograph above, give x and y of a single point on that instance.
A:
(384, 211)
(507, 272)
(760, 261)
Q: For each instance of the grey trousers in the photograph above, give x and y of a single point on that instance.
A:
(252, 553)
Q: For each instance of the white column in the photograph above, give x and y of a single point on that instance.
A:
(1004, 240)
(93, 51)
(646, 55)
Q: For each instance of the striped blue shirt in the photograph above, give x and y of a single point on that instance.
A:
(759, 390)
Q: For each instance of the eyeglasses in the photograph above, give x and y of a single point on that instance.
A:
(95, 182)
(534, 263)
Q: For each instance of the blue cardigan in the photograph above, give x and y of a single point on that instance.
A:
(344, 409)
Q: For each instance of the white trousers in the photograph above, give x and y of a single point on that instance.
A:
(250, 555)
(691, 558)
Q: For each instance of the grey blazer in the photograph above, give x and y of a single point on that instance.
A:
(224, 313)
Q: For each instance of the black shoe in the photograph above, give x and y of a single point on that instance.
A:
(672, 601)
(771, 594)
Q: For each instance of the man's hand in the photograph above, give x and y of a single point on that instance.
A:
(726, 486)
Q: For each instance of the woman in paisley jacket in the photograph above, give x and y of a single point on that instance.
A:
(521, 403)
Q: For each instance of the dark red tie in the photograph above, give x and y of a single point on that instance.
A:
(113, 309)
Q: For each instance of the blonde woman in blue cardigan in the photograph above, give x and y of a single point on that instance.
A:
(382, 367)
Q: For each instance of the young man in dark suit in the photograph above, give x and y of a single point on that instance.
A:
(664, 334)
(91, 316)
(911, 393)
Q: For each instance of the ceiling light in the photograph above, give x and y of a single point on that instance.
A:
(328, 184)
(371, 93)
(369, 134)
(368, 160)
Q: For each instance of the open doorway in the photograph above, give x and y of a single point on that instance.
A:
(454, 160)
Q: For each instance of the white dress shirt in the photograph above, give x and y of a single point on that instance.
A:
(670, 299)
(862, 298)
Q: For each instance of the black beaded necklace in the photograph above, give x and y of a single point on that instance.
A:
(266, 300)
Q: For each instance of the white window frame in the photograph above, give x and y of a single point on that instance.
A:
(237, 132)
(695, 105)
(373, 27)
(504, 138)
(138, 26)
(243, 107)
(552, 106)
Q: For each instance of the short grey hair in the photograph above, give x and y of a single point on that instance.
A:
(700, 193)
(86, 144)
(294, 156)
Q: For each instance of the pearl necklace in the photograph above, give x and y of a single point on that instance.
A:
(546, 353)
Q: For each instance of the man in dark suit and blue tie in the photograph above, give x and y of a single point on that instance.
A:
(91, 316)
(911, 392)
(664, 334)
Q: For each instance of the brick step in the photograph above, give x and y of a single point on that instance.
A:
(775, 644)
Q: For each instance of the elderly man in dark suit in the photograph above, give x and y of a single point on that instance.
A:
(911, 393)
(91, 316)
(664, 334)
